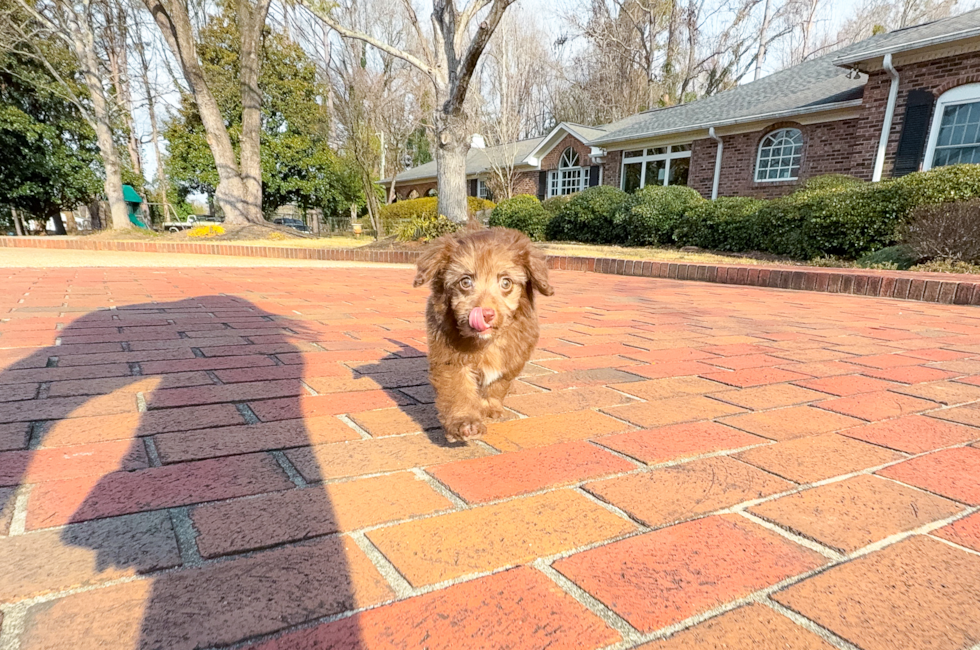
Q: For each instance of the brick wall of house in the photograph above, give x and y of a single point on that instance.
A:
(611, 168)
(405, 191)
(526, 183)
(936, 76)
(827, 149)
(550, 161)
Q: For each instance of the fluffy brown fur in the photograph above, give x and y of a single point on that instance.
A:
(471, 371)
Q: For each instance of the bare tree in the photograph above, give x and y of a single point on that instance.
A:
(239, 190)
(117, 19)
(73, 23)
(142, 50)
(882, 15)
(514, 77)
(448, 57)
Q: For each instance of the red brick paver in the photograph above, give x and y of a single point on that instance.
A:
(200, 458)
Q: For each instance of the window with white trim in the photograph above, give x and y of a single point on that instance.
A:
(482, 190)
(780, 154)
(655, 166)
(570, 177)
(955, 134)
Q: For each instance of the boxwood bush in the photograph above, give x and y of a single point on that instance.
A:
(649, 216)
(556, 203)
(726, 224)
(588, 217)
(523, 212)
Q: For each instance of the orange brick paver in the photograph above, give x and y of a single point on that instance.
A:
(250, 457)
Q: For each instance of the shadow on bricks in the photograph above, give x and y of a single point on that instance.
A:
(149, 463)
(406, 372)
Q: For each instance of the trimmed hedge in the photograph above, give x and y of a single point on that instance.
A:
(829, 216)
(649, 216)
(394, 213)
(725, 224)
(523, 212)
(588, 217)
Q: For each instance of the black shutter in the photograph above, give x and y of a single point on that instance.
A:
(542, 185)
(473, 189)
(915, 129)
(593, 176)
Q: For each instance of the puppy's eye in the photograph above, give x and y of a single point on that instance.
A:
(466, 283)
(506, 283)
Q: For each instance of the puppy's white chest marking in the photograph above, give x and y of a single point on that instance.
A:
(490, 375)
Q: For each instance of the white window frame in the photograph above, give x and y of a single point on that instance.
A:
(482, 191)
(570, 177)
(965, 94)
(651, 155)
(798, 155)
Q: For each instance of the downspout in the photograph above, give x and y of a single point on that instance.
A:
(717, 178)
(886, 127)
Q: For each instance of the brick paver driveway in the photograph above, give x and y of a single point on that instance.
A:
(200, 458)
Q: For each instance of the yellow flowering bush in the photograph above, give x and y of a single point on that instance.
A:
(206, 231)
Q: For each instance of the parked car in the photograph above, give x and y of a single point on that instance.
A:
(295, 224)
(191, 222)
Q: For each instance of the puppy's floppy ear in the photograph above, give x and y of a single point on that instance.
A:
(433, 260)
(537, 271)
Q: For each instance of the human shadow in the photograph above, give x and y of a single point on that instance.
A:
(144, 455)
(406, 372)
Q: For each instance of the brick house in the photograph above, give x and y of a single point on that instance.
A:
(890, 105)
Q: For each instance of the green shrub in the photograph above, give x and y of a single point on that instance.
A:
(842, 222)
(556, 203)
(425, 228)
(946, 266)
(588, 217)
(395, 213)
(899, 257)
(725, 224)
(523, 212)
(830, 181)
(943, 184)
(649, 216)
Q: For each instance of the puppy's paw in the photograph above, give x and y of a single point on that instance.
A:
(494, 412)
(465, 429)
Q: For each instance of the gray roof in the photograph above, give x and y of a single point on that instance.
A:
(938, 32)
(477, 160)
(809, 87)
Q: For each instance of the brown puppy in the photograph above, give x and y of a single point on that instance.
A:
(481, 322)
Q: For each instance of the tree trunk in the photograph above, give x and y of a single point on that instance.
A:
(230, 194)
(59, 224)
(154, 127)
(251, 22)
(84, 44)
(16, 218)
(451, 149)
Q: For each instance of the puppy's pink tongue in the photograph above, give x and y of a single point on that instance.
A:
(476, 320)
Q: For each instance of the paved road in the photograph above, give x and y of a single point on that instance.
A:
(197, 458)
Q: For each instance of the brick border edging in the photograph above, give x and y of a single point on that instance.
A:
(903, 286)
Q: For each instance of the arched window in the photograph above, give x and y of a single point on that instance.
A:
(570, 177)
(414, 194)
(780, 153)
(955, 134)
(432, 192)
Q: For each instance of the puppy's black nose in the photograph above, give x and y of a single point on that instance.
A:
(488, 315)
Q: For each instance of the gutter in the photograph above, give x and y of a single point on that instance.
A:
(853, 103)
(886, 126)
(721, 147)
